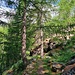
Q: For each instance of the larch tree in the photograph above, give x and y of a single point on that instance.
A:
(43, 15)
(66, 11)
(23, 50)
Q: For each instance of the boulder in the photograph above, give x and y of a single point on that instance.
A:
(70, 67)
(69, 70)
(56, 67)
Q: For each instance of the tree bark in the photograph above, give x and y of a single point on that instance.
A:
(23, 50)
(41, 33)
(41, 43)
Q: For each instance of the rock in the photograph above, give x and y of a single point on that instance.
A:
(36, 50)
(49, 45)
(69, 70)
(57, 67)
(71, 61)
(40, 70)
(73, 70)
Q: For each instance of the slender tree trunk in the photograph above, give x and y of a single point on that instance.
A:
(39, 22)
(23, 50)
(41, 43)
(41, 33)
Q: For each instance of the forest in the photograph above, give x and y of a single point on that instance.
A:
(37, 37)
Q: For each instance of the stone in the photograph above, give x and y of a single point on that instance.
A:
(69, 70)
(57, 67)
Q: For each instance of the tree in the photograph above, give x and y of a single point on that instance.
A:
(66, 12)
(43, 10)
(24, 36)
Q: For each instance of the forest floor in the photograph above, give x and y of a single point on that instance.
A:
(44, 66)
(60, 60)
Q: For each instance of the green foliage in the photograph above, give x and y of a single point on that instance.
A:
(66, 11)
(10, 37)
(63, 56)
(3, 38)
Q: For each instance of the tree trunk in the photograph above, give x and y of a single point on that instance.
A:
(41, 43)
(41, 33)
(23, 50)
